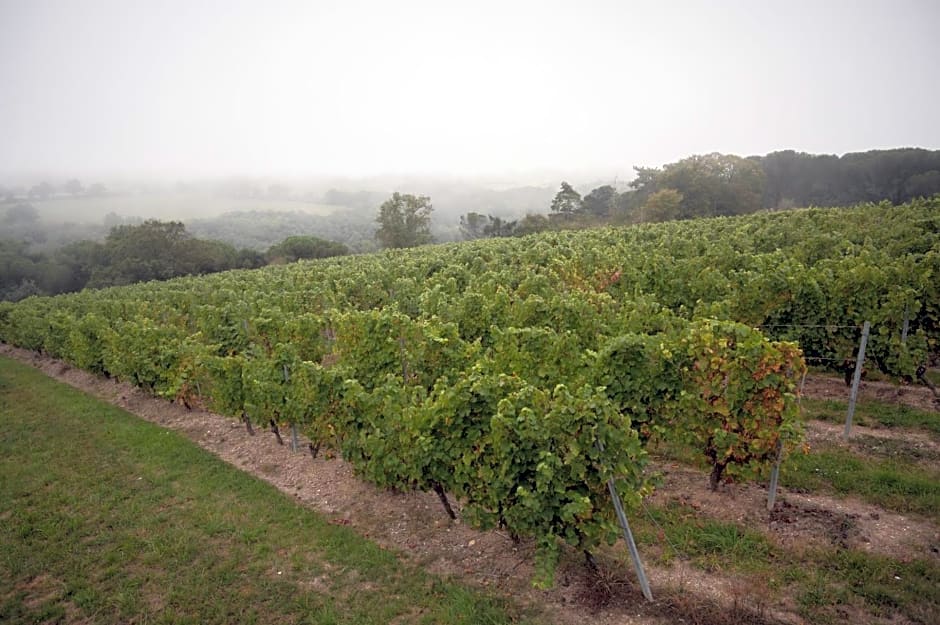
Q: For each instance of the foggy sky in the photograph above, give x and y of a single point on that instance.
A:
(357, 87)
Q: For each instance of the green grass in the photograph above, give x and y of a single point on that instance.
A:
(934, 376)
(707, 543)
(882, 472)
(110, 519)
(873, 414)
(823, 580)
(880, 585)
(892, 483)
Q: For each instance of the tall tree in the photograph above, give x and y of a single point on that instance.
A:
(530, 224)
(300, 247)
(472, 225)
(663, 205)
(567, 201)
(498, 227)
(644, 183)
(710, 184)
(479, 226)
(42, 190)
(81, 258)
(600, 202)
(404, 221)
(73, 186)
(150, 251)
(21, 214)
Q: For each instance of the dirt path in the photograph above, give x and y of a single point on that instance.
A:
(824, 387)
(415, 524)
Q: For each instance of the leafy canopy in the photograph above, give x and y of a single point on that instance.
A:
(404, 221)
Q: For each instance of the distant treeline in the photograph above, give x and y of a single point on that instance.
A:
(153, 250)
(799, 179)
(721, 184)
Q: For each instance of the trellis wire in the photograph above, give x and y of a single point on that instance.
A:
(652, 519)
(807, 325)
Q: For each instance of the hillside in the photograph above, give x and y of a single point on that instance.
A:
(518, 380)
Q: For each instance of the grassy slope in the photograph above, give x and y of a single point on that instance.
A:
(115, 519)
(826, 582)
(108, 518)
(894, 484)
(823, 581)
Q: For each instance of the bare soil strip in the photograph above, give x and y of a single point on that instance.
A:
(915, 396)
(916, 445)
(800, 520)
(415, 524)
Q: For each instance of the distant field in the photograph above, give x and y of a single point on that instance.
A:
(181, 206)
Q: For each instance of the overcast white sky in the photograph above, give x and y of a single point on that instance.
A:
(358, 87)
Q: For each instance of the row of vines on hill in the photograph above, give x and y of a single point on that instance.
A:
(810, 276)
(496, 370)
(514, 430)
